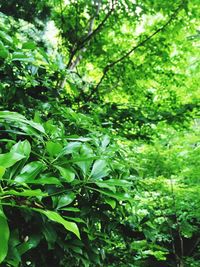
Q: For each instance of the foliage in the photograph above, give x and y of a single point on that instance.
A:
(71, 180)
(99, 133)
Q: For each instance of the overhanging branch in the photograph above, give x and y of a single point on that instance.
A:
(110, 65)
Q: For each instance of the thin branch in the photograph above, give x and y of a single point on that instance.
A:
(83, 49)
(80, 47)
(73, 63)
(82, 43)
(120, 59)
(179, 258)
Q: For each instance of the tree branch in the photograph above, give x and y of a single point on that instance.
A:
(91, 24)
(82, 43)
(112, 64)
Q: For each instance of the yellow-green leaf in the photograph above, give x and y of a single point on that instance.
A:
(4, 235)
(2, 171)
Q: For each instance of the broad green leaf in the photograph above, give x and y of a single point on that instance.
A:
(2, 171)
(18, 118)
(32, 242)
(159, 255)
(10, 115)
(105, 141)
(2, 47)
(40, 181)
(13, 255)
(37, 117)
(21, 56)
(30, 130)
(105, 185)
(26, 193)
(110, 202)
(9, 159)
(53, 148)
(115, 182)
(4, 235)
(70, 148)
(30, 171)
(117, 196)
(76, 249)
(65, 200)
(99, 169)
(67, 174)
(53, 216)
(22, 147)
(78, 220)
(85, 153)
(29, 45)
(44, 181)
(5, 38)
(4, 53)
(50, 127)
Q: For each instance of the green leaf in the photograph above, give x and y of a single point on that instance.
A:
(2, 171)
(13, 255)
(37, 117)
(32, 242)
(29, 45)
(5, 38)
(53, 216)
(105, 142)
(9, 159)
(2, 47)
(26, 193)
(70, 148)
(85, 153)
(78, 220)
(65, 200)
(77, 138)
(30, 171)
(117, 196)
(159, 255)
(17, 118)
(44, 181)
(4, 235)
(4, 53)
(110, 202)
(53, 148)
(21, 56)
(99, 169)
(22, 147)
(67, 174)
(50, 234)
(71, 209)
(116, 182)
(105, 185)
